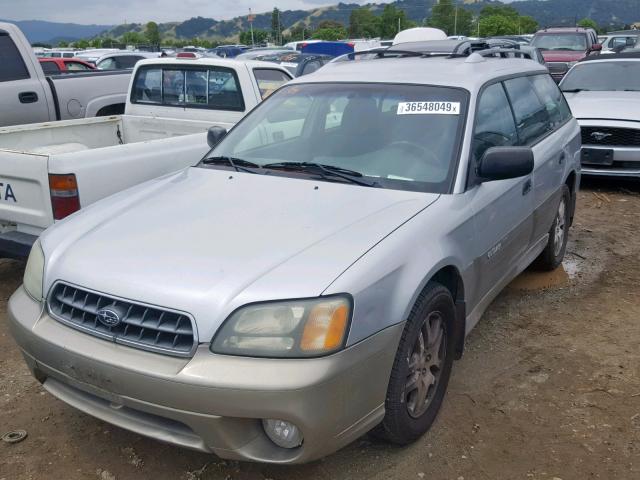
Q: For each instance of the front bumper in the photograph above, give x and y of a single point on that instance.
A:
(14, 244)
(212, 403)
(626, 163)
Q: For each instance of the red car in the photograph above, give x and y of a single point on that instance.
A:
(51, 66)
(563, 47)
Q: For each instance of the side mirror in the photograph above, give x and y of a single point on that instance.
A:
(502, 163)
(596, 47)
(215, 134)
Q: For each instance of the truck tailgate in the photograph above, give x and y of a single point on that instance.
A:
(24, 191)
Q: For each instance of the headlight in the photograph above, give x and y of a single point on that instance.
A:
(34, 272)
(293, 328)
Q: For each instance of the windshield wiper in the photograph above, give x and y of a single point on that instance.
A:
(237, 163)
(324, 171)
(576, 90)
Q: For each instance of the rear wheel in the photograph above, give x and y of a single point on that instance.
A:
(553, 254)
(422, 367)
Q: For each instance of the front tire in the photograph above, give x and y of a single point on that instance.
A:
(422, 367)
(553, 254)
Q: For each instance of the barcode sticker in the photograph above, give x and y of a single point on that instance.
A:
(429, 108)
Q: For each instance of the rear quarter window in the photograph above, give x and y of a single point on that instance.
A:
(13, 67)
(50, 67)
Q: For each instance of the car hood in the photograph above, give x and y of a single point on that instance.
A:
(208, 241)
(562, 55)
(604, 105)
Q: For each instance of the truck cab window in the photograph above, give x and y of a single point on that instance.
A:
(13, 67)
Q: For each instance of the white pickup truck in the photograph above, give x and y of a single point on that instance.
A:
(27, 95)
(50, 170)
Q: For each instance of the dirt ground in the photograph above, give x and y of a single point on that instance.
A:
(549, 387)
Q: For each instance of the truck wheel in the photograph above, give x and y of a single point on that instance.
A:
(422, 367)
(553, 254)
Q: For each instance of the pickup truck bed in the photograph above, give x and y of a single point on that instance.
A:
(94, 150)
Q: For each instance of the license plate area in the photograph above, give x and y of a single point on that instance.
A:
(596, 156)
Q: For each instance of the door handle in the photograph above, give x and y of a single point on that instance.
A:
(563, 157)
(28, 97)
(526, 186)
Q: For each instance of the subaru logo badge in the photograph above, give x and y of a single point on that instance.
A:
(599, 136)
(108, 317)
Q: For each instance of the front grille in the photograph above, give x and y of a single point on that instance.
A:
(557, 68)
(611, 136)
(140, 326)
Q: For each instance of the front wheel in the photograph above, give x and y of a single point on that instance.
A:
(422, 367)
(553, 254)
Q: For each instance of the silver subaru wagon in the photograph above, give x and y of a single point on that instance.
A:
(314, 276)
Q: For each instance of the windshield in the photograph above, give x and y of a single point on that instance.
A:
(603, 76)
(391, 136)
(566, 41)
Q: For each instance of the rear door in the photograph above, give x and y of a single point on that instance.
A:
(22, 95)
(502, 209)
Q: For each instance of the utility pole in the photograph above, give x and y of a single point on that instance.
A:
(398, 23)
(455, 21)
(251, 18)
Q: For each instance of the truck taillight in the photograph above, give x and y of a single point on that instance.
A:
(64, 195)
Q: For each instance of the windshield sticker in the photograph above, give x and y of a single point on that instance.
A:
(429, 108)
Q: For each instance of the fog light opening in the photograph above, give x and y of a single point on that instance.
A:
(282, 433)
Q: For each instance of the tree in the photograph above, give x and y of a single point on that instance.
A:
(494, 25)
(81, 44)
(588, 23)
(453, 19)
(527, 24)
(330, 24)
(330, 34)
(393, 20)
(363, 24)
(63, 44)
(152, 33)
(132, 38)
(503, 11)
(259, 36)
(276, 26)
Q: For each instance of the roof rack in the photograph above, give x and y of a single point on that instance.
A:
(462, 49)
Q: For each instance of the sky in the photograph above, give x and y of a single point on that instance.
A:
(112, 12)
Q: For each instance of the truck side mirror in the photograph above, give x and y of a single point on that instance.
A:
(596, 47)
(502, 163)
(215, 134)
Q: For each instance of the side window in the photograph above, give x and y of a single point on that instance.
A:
(107, 64)
(494, 122)
(13, 67)
(552, 98)
(269, 80)
(67, 55)
(76, 66)
(532, 116)
(50, 67)
(127, 61)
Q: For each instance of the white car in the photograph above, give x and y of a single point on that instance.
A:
(604, 95)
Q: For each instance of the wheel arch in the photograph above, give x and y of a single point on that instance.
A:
(449, 277)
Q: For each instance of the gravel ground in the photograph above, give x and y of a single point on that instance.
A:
(549, 387)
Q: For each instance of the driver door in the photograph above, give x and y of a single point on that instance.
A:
(503, 209)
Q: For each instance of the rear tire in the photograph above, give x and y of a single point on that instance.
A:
(553, 254)
(422, 367)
